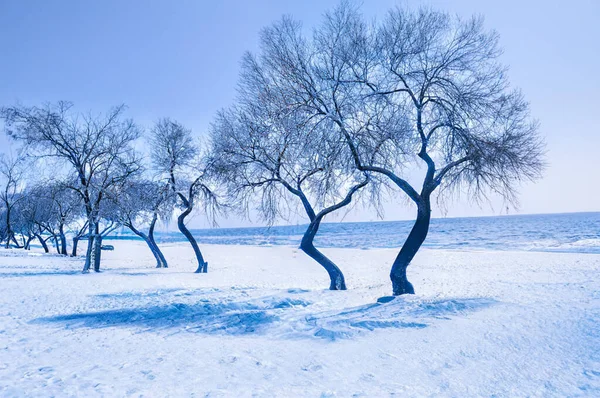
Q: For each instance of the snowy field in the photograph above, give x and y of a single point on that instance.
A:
(260, 323)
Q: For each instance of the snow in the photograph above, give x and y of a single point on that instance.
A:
(261, 323)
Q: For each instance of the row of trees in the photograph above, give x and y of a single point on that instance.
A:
(98, 181)
(417, 107)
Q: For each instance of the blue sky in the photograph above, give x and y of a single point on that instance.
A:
(181, 59)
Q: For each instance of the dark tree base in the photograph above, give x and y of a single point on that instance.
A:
(202, 268)
(338, 283)
(402, 286)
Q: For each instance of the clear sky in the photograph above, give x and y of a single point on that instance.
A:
(181, 59)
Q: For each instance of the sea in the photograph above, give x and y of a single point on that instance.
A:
(568, 232)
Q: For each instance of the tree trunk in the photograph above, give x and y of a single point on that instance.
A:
(202, 265)
(146, 239)
(416, 237)
(74, 249)
(63, 241)
(55, 239)
(88, 253)
(9, 233)
(336, 277)
(17, 245)
(42, 242)
(28, 243)
(97, 253)
(163, 260)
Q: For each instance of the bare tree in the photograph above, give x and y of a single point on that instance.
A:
(274, 155)
(78, 228)
(177, 158)
(24, 218)
(98, 150)
(140, 203)
(51, 207)
(420, 92)
(11, 192)
(31, 213)
(66, 205)
(163, 203)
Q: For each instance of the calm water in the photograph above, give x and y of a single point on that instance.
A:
(574, 232)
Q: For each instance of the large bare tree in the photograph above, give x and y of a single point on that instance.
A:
(179, 159)
(420, 92)
(98, 150)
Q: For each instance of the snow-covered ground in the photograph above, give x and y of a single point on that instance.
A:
(260, 323)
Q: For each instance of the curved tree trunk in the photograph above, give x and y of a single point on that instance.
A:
(415, 239)
(202, 265)
(163, 260)
(28, 243)
(148, 242)
(17, 244)
(42, 242)
(336, 277)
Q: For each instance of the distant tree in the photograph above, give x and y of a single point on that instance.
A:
(12, 170)
(98, 150)
(179, 160)
(30, 213)
(141, 203)
(419, 92)
(78, 228)
(51, 207)
(275, 156)
(66, 205)
(23, 220)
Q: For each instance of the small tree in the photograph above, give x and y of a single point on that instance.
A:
(421, 91)
(11, 192)
(24, 220)
(78, 228)
(141, 203)
(98, 149)
(51, 208)
(33, 214)
(178, 159)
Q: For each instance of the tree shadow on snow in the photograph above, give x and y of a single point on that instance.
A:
(220, 317)
(283, 316)
(211, 318)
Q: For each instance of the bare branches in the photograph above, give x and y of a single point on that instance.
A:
(265, 151)
(419, 85)
(97, 149)
(187, 171)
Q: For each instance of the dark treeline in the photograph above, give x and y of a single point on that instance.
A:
(322, 122)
